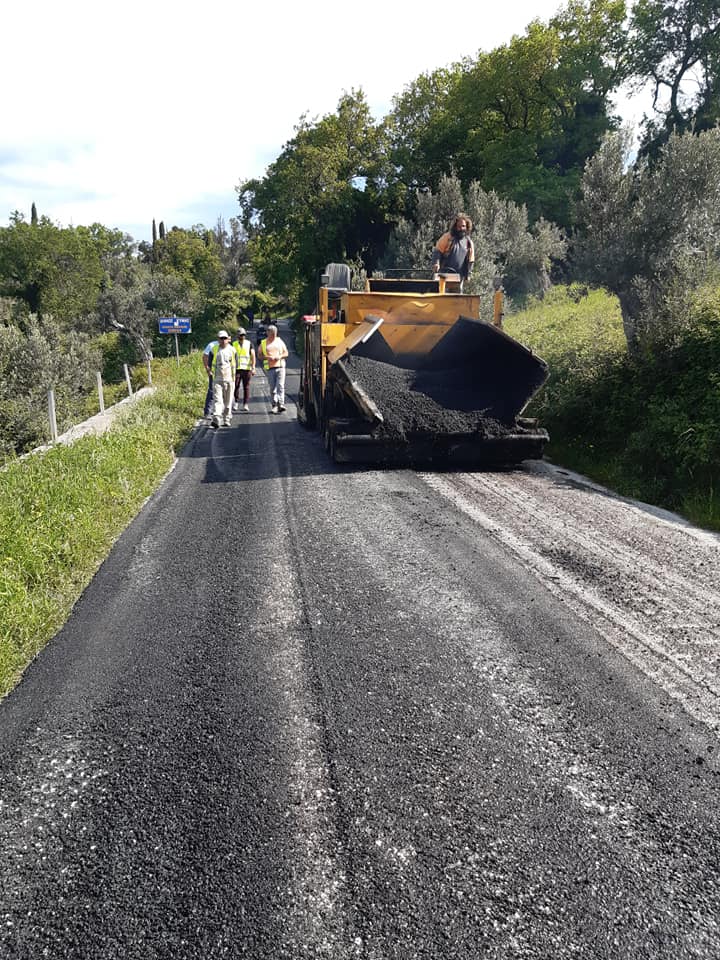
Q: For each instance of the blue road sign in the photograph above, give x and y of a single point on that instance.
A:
(174, 325)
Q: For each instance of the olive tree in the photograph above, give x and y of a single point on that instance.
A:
(650, 232)
(32, 360)
(507, 249)
(675, 49)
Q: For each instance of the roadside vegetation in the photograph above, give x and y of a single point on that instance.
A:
(61, 510)
(647, 426)
(75, 301)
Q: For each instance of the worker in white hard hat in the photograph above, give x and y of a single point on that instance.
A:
(224, 365)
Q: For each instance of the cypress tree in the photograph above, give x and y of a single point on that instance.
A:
(33, 215)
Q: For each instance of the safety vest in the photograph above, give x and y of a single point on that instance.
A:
(263, 351)
(212, 355)
(243, 353)
(213, 358)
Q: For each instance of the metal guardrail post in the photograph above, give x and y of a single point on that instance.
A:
(51, 415)
(101, 395)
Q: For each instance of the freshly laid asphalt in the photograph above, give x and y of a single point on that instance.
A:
(305, 711)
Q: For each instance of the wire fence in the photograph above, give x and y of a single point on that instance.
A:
(52, 418)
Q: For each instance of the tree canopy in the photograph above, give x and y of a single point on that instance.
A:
(55, 271)
(324, 199)
(675, 47)
(521, 119)
(651, 232)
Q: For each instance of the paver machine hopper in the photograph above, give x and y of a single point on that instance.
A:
(405, 373)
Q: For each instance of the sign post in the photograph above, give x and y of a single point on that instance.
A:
(175, 325)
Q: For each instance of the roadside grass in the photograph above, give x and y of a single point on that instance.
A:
(647, 427)
(61, 510)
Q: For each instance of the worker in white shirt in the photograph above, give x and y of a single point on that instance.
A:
(223, 366)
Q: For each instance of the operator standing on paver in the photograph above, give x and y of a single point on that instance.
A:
(245, 368)
(273, 353)
(454, 252)
(223, 366)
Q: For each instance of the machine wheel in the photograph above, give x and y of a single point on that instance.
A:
(306, 411)
(328, 411)
(329, 440)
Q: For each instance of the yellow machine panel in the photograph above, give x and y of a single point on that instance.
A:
(409, 308)
(405, 338)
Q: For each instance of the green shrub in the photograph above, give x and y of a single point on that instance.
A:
(31, 362)
(116, 350)
(648, 426)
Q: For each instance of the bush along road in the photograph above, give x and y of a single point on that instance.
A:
(304, 711)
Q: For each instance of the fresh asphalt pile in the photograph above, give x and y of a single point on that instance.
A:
(424, 402)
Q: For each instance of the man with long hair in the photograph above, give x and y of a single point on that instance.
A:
(454, 252)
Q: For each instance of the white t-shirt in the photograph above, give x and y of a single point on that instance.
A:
(224, 371)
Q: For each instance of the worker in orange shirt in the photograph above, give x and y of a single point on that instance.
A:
(273, 352)
(454, 252)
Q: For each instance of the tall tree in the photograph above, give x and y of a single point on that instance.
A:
(421, 128)
(197, 262)
(322, 200)
(675, 45)
(651, 233)
(521, 119)
(56, 271)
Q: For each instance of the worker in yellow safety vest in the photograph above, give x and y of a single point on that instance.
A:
(245, 368)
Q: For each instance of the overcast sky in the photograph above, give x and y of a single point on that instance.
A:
(119, 114)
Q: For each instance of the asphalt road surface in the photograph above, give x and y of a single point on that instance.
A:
(305, 711)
